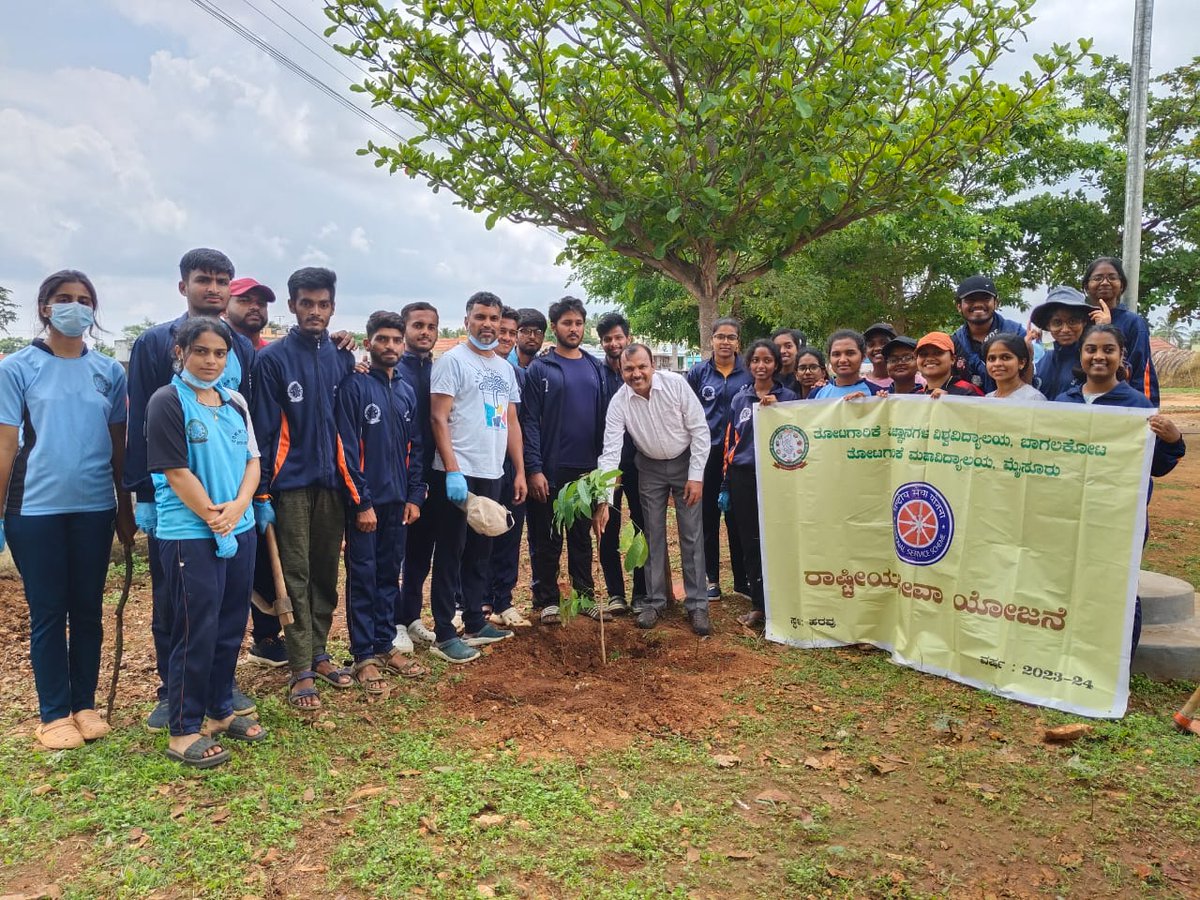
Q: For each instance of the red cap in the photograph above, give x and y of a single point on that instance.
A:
(240, 286)
(938, 339)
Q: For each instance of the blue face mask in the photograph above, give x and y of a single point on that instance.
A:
(482, 346)
(198, 383)
(71, 319)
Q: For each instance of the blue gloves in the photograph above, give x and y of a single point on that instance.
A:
(723, 501)
(456, 487)
(2, 541)
(226, 545)
(146, 516)
(264, 515)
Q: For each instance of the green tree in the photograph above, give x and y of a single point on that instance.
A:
(132, 332)
(1056, 231)
(8, 310)
(707, 141)
(12, 345)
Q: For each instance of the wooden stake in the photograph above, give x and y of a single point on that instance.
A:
(119, 637)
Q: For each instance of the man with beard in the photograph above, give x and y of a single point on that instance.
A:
(613, 331)
(976, 298)
(381, 438)
(506, 548)
(562, 422)
(295, 388)
(473, 411)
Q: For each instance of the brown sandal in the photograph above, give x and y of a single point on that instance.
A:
(406, 668)
(373, 686)
(61, 734)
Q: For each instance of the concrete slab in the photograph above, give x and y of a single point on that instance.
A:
(1165, 599)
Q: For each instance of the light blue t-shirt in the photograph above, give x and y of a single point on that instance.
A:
(63, 408)
(833, 391)
(214, 442)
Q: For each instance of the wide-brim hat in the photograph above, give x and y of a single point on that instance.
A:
(1060, 297)
(487, 517)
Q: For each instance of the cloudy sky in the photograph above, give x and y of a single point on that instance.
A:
(135, 129)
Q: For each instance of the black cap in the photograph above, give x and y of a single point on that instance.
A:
(898, 343)
(883, 327)
(976, 284)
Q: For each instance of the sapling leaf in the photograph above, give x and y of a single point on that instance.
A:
(638, 553)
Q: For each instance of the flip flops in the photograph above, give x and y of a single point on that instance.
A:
(333, 676)
(410, 668)
(294, 696)
(238, 729)
(194, 757)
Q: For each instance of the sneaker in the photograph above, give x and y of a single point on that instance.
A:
(242, 705)
(159, 717)
(549, 615)
(510, 618)
(269, 652)
(488, 634)
(454, 650)
(700, 622)
(647, 618)
(421, 633)
(402, 642)
(617, 606)
(714, 591)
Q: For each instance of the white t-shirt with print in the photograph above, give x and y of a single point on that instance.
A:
(482, 388)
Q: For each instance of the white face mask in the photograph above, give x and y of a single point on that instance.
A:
(482, 346)
(198, 383)
(71, 319)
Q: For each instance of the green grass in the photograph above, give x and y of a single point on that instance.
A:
(388, 803)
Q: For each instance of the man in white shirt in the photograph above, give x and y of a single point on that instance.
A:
(473, 413)
(664, 418)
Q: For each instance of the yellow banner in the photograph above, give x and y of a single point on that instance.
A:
(993, 542)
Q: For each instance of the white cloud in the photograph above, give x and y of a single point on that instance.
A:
(358, 240)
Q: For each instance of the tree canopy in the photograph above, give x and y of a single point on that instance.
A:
(708, 141)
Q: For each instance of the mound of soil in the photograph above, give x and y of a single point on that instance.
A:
(548, 690)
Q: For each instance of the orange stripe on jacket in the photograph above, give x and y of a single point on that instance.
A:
(727, 456)
(345, 470)
(1146, 380)
(285, 445)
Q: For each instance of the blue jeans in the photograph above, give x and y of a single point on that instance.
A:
(63, 561)
(209, 599)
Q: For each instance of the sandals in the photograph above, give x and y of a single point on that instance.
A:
(409, 668)
(753, 619)
(333, 676)
(194, 756)
(294, 696)
(373, 686)
(238, 729)
(61, 734)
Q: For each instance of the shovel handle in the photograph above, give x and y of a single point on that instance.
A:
(283, 603)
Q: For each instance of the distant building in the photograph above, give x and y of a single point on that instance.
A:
(447, 343)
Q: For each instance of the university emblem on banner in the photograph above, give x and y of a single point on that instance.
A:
(789, 447)
(922, 523)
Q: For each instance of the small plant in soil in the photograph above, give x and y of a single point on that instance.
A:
(577, 501)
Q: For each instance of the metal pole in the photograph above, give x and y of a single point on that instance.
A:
(1135, 165)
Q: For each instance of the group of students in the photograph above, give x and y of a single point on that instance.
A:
(242, 454)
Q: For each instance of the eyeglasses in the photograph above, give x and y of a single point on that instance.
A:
(531, 332)
(901, 359)
(724, 337)
(1100, 279)
(809, 368)
(1060, 324)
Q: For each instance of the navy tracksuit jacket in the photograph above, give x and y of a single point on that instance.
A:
(972, 367)
(381, 440)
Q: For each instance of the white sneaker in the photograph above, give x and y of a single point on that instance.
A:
(403, 642)
(510, 618)
(421, 633)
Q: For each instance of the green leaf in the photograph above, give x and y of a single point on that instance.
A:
(674, 213)
(638, 553)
